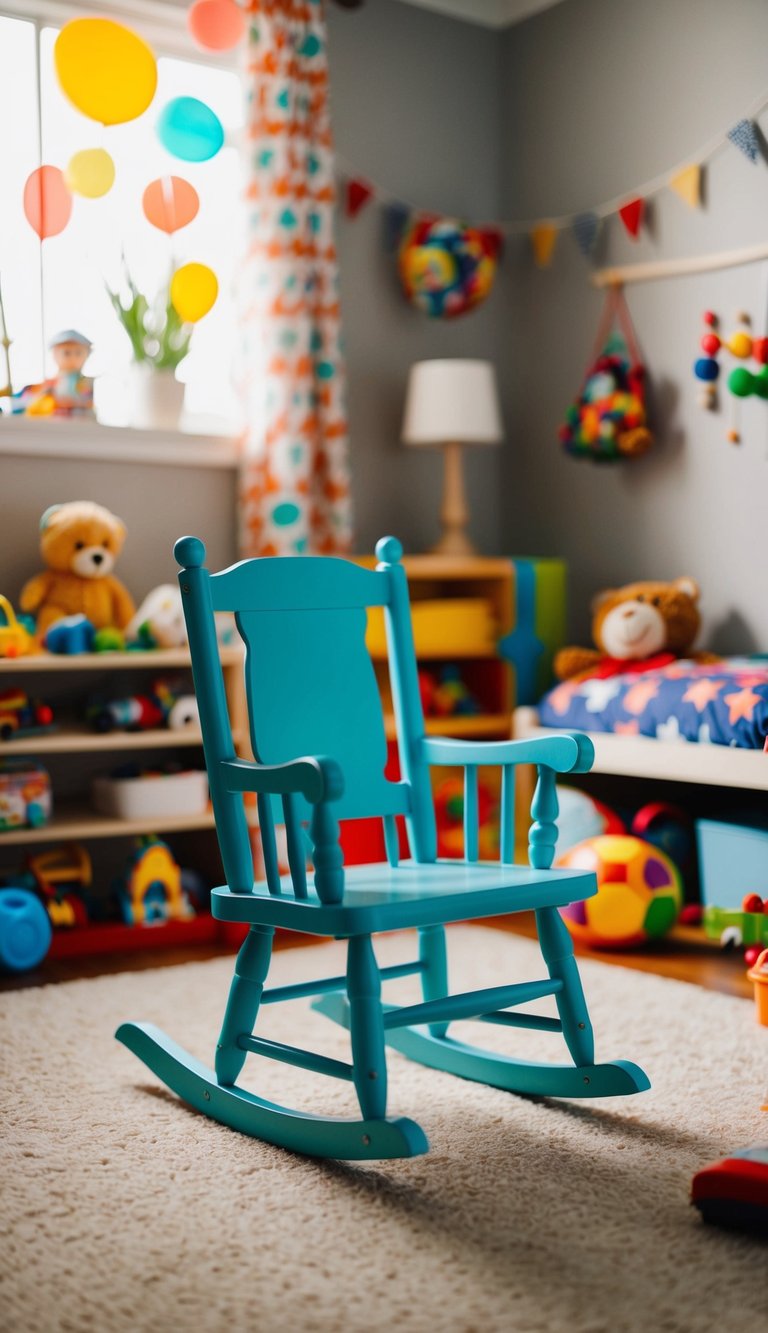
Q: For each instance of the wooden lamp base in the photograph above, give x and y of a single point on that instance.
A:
(454, 514)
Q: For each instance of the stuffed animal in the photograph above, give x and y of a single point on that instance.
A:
(79, 543)
(637, 628)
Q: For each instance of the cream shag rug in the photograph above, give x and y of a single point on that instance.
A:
(122, 1209)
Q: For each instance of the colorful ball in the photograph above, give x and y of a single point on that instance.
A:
(639, 892)
(741, 382)
(446, 268)
(706, 368)
(740, 344)
(710, 344)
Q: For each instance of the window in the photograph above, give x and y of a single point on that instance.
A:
(62, 283)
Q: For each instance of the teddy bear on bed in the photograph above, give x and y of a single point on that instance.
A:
(79, 543)
(641, 627)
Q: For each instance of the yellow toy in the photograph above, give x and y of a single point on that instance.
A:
(80, 543)
(15, 640)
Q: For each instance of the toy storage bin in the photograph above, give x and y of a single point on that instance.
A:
(441, 627)
(733, 859)
(147, 795)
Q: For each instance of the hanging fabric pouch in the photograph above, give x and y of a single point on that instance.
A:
(607, 422)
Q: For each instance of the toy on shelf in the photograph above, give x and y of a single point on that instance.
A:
(159, 621)
(639, 892)
(15, 637)
(163, 706)
(608, 420)
(62, 876)
(21, 716)
(640, 627)
(25, 794)
(151, 890)
(68, 393)
(445, 694)
(80, 543)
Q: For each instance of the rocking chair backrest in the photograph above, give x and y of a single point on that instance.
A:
(310, 683)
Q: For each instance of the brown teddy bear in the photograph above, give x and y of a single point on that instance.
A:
(637, 628)
(79, 543)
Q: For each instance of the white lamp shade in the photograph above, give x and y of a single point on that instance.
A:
(452, 400)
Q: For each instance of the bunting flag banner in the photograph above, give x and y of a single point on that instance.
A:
(687, 183)
(686, 180)
(357, 194)
(631, 215)
(543, 240)
(744, 137)
(585, 228)
(396, 217)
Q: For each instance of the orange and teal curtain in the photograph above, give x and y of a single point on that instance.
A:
(295, 488)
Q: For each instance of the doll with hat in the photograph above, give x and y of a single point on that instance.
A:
(68, 393)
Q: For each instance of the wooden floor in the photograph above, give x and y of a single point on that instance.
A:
(684, 954)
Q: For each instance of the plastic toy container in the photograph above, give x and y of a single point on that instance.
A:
(733, 859)
(149, 795)
(441, 627)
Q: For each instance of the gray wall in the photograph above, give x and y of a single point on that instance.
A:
(415, 100)
(598, 97)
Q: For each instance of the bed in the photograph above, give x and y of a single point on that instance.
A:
(685, 722)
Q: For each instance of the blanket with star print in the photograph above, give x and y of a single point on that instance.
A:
(720, 703)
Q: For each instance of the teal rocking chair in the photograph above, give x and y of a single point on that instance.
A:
(312, 691)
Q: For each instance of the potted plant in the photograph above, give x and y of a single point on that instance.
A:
(160, 341)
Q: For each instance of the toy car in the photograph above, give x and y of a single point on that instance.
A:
(22, 716)
(15, 638)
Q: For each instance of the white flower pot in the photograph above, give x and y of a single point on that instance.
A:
(157, 398)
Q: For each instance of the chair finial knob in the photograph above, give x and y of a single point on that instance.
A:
(189, 552)
(389, 550)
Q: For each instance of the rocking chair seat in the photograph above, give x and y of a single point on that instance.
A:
(382, 897)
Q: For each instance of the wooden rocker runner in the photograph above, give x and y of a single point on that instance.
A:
(312, 690)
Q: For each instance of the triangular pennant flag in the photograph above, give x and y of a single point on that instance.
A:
(744, 137)
(543, 240)
(687, 183)
(585, 228)
(631, 215)
(492, 242)
(358, 193)
(395, 221)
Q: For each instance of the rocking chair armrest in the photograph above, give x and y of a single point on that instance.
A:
(565, 752)
(314, 777)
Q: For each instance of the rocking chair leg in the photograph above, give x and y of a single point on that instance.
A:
(367, 1028)
(243, 1004)
(557, 948)
(434, 978)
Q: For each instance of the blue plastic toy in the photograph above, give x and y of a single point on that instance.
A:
(25, 929)
(312, 692)
(72, 634)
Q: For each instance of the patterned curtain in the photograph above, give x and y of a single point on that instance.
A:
(295, 492)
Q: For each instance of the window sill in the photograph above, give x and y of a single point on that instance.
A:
(85, 439)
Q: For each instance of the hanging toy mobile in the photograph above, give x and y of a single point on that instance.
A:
(742, 382)
(607, 422)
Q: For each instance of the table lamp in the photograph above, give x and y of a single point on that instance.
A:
(452, 403)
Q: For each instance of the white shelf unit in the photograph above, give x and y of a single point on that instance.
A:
(76, 820)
